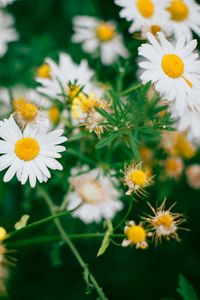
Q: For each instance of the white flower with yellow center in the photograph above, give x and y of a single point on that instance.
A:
(142, 12)
(184, 18)
(135, 235)
(136, 178)
(66, 78)
(84, 110)
(7, 32)
(95, 196)
(155, 25)
(99, 38)
(29, 154)
(164, 223)
(174, 69)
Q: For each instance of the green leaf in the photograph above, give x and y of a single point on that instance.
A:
(108, 139)
(22, 222)
(106, 239)
(186, 290)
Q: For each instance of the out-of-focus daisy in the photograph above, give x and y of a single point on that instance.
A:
(95, 195)
(136, 178)
(135, 235)
(185, 18)
(3, 3)
(147, 155)
(29, 154)
(174, 69)
(84, 110)
(174, 167)
(155, 25)
(67, 78)
(164, 223)
(177, 144)
(142, 12)
(99, 38)
(193, 176)
(7, 32)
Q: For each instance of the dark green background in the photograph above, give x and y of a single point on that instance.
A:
(49, 273)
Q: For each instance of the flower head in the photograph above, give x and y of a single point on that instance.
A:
(95, 195)
(136, 178)
(135, 235)
(164, 223)
(29, 153)
(174, 167)
(100, 37)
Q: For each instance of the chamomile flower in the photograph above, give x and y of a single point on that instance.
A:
(174, 167)
(99, 38)
(136, 178)
(135, 235)
(184, 18)
(155, 25)
(173, 69)
(7, 32)
(142, 12)
(84, 110)
(95, 196)
(164, 223)
(67, 78)
(29, 154)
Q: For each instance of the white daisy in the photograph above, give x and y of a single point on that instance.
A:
(185, 18)
(29, 154)
(95, 195)
(99, 38)
(155, 25)
(7, 32)
(66, 78)
(141, 12)
(174, 69)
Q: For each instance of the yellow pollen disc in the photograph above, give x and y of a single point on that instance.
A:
(136, 234)
(164, 220)
(172, 164)
(44, 71)
(3, 234)
(179, 10)
(155, 29)
(54, 115)
(18, 104)
(29, 111)
(146, 8)
(172, 65)
(183, 147)
(105, 32)
(138, 177)
(27, 149)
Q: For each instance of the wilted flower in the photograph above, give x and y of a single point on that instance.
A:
(135, 235)
(193, 176)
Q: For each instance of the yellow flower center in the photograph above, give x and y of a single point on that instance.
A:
(105, 32)
(44, 71)
(83, 105)
(172, 164)
(155, 29)
(172, 65)
(27, 110)
(164, 220)
(179, 10)
(138, 177)
(136, 234)
(3, 234)
(146, 8)
(27, 149)
(183, 147)
(54, 114)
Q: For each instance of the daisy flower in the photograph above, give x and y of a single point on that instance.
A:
(95, 196)
(7, 32)
(136, 178)
(66, 79)
(135, 235)
(155, 25)
(164, 223)
(173, 69)
(99, 37)
(142, 12)
(193, 176)
(84, 110)
(184, 18)
(29, 154)
(174, 167)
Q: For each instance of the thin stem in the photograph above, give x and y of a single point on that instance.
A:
(87, 274)
(130, 90)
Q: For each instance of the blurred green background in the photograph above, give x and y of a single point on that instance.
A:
(49, 272)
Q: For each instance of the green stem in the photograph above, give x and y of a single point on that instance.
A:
(87, 274)
(130, 90)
